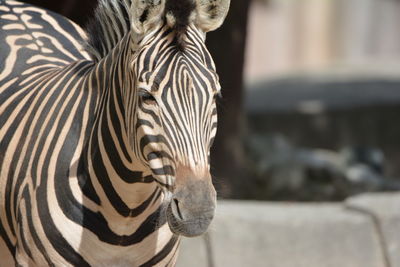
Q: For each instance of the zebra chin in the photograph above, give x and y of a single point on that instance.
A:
(192, 208)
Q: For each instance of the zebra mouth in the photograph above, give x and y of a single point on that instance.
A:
(189, 224)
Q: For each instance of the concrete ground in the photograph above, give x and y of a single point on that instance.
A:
(363, 231)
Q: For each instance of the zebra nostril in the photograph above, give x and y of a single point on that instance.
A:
(177, 209)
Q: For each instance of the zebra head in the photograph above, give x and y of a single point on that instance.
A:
(175, 116)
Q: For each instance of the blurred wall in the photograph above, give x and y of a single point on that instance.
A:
(307, 35)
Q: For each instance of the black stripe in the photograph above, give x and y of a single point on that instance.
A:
(165, 170)
(23, 231)
(6, 240)
(148, 139)
(163, 253)
(158, 155)
(32, 230)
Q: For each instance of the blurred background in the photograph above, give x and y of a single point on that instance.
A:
(311, 97)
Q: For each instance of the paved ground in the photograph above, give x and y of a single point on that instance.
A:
(361, 232)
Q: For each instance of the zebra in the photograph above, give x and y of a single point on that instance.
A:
(105, 133)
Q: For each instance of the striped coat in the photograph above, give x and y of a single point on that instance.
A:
(105, 134)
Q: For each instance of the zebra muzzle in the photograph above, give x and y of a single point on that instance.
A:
(192, 208)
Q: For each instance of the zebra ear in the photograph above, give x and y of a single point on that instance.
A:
(211, 13)
(146, 14)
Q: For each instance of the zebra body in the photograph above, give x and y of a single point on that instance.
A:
(104, 139)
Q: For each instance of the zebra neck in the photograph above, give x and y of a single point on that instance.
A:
(115, 173)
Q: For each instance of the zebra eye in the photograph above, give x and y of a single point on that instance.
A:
(146, 96)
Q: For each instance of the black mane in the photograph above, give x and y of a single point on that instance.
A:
(181, 10)
(112, 22)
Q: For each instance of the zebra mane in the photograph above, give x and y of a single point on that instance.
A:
(112, 21)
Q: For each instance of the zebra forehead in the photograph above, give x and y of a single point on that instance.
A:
(161, 63)
(180, 74)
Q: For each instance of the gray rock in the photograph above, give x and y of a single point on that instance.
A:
(287, 235)
(385, 208)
